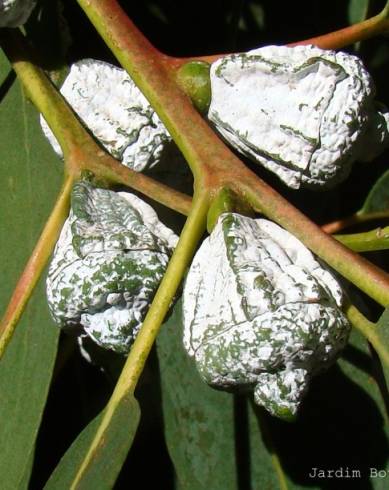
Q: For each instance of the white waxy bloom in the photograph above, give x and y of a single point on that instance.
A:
(261, 313)
(302, 112)
(107, 265)
(14, 13)
(113, 108)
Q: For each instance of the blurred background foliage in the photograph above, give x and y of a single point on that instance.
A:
(342, 419)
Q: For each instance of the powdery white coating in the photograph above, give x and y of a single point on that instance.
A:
(14, 13)
(109, 260)
(302, 112)
(113, 108)
(260, 312)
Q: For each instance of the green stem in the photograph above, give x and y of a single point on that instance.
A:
(190, 236)
(58, 115)
(368, 241)
(107, 168)
(226, 201)
(355, 219)
(365, 275)
(213, 164)
(153, 75)
(79, 148)
(369, 330)
(379, 24)
(366, 29)
(35, 265)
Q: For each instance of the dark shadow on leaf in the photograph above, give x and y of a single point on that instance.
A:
(371, 365)
(242, 442)
(339, 427)
(380, 378)
(172, 169)
(149, 444)
(78, 393)
(358, 359)
(7, 84)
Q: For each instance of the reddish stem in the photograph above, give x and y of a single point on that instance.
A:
(338, 39)
(348, 35)
(35, 266)
(213, 164)
(355, 219)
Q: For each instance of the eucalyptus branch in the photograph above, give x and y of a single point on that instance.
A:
(366, 29)
(190, 236)
(59, 116)
(368, 241)
(369, 330)
(35, 265)
(379, 24)
(222, 183)
(354, 219)
(368, 277)
(153, 75)
(213, 164)
(80, 150)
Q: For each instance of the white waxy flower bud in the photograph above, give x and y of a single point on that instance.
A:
(109, 260)
(304, 113)
(113, 108)
(14, 13)
(261, 313)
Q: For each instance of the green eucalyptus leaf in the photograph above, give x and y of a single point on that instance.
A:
(257, 15)
(103, 468)
(357, 10)
(213, 437)
(343, 410)
(30, 180)
(378, 197)
(382, 332)
(218, 441)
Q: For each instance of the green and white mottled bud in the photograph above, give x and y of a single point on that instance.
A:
(302, 112)
(113, 108)
(261, 313)
(109, 260)
(14, 13)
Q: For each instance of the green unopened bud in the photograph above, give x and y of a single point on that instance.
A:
(193, 78)
(227, 201)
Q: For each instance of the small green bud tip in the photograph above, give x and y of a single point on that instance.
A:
(91, 178)
(194, 79)
(87, 176)
(227, 201)
(285, 414)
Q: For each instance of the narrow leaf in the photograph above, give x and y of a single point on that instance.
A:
(343, 410)
(357, 10)
(103, 469)
(378, 197)
(30, 180)
(118, 426)
(213, 438)
(218, 441)
(382, 332)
